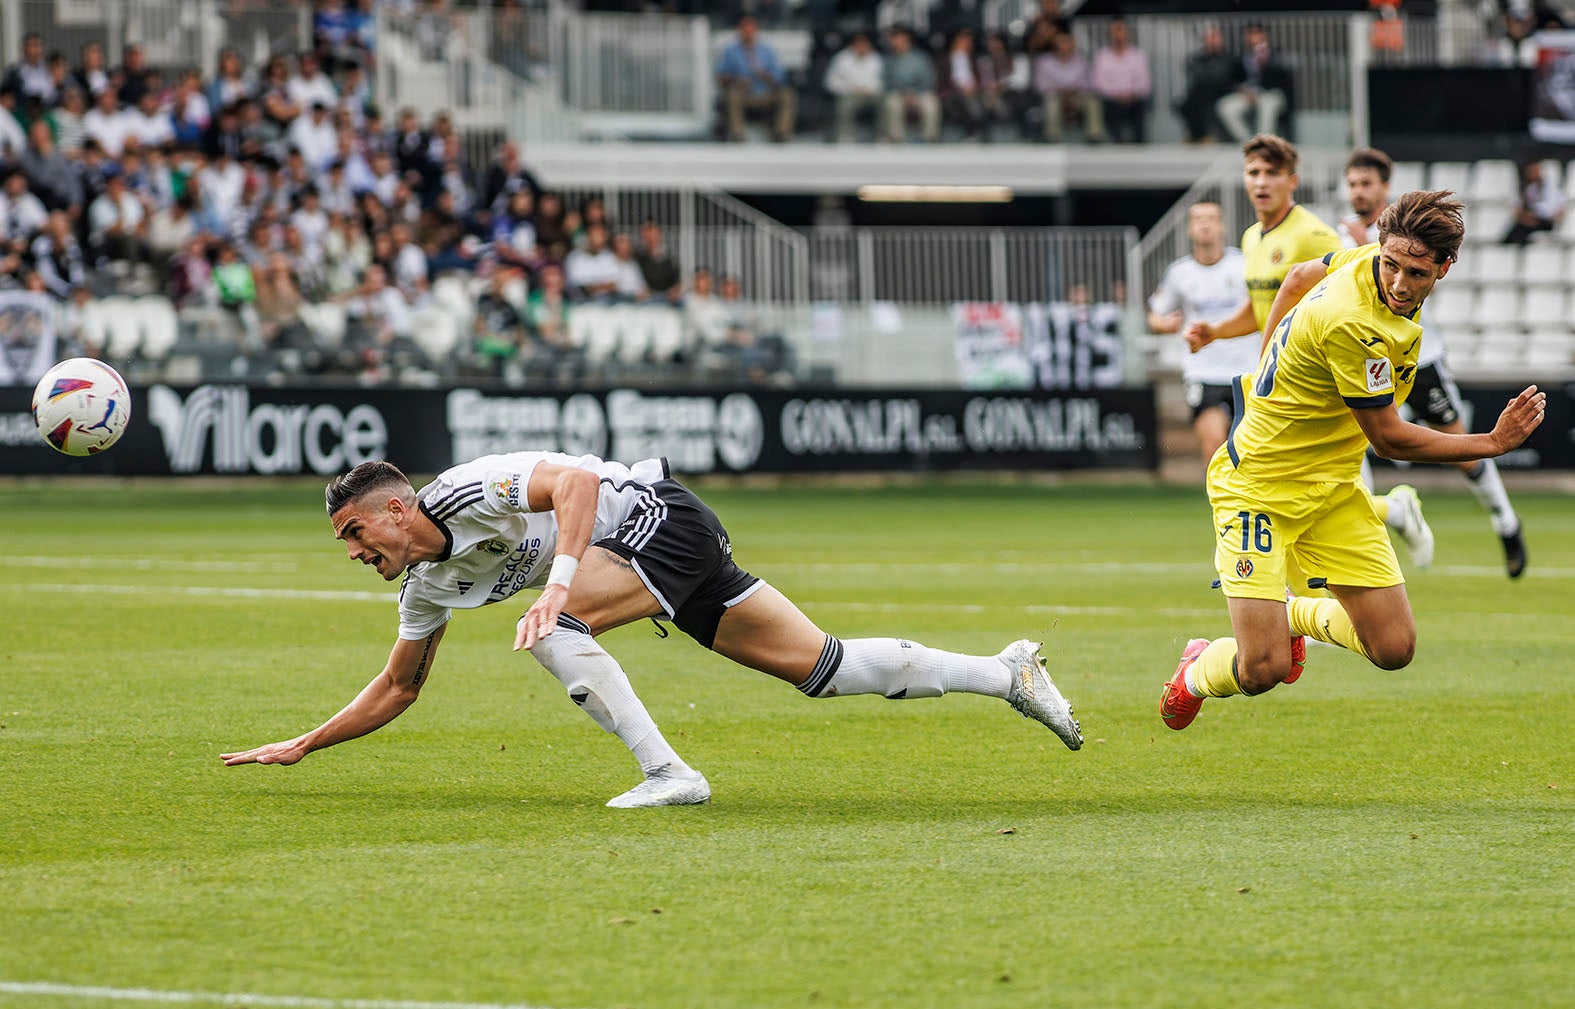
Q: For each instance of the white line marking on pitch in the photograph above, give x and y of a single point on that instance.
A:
(241, 998)
(206, 591)
(148, 564)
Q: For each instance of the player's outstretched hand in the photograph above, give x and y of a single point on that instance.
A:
(1198, 336)
(1520, 418)
(286, 752)
(539, 621)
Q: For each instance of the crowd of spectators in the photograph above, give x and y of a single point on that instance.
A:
(255, 195)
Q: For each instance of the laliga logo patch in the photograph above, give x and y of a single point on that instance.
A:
(1276, 256)
(1244, 568)
(1379, 374)
(508, 490)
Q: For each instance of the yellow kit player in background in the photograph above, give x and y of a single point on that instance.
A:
(1286, 487)
(1285, 234)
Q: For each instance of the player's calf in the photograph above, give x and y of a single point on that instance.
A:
(1262, 666)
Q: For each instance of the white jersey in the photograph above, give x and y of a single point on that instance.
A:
(496, 544)
(1209, 294)
(1432, 349)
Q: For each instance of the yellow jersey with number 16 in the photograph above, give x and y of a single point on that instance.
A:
(1340, 349)
(1301, 235)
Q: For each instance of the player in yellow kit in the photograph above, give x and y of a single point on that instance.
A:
(1286, 488)
(1285, 234)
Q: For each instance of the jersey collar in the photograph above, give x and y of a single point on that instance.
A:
(448, 537)
(1282, 220)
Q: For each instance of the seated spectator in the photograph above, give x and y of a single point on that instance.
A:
(499, 330)
(170, 229)
(1262, 90)
(514, 231)
(117, 223)
(854, 80)
(909, 81)
(592, 272)
(1523, 19)
(705, 317)
(1121, 78)
(547, 311)
(133, 76)
(149, 123)
(1005, 81)
(190, 113)
(347, 252)
(1541, 206)
(70, 125)
(410, 272)
(552, 226)
(315, 137)
(22, 215)
(273, 94)
(1211, 75)
(106, 124)
(91, 75)
(13, 138)
(191, 274)
(506, 174)
(309, 217)
(232, 82)
(31, 77)
(309, 85)
(279, 303)
(631, 282)
(959, 84)
(1046, 25)
(49, 175)
(658, 268)
(752, 80)
(1066, 91)
(382, 326)
(57, 257)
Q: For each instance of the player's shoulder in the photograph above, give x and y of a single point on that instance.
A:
(1180, 266)
(1311, 229)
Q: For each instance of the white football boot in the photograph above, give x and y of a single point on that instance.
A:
(688, 788)
(1418, 535)
(1035, 696)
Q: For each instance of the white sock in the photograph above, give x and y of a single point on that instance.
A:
(599, 686)
(1489, 490)
(898, 669)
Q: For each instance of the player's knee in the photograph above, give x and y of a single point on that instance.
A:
(1394, 653)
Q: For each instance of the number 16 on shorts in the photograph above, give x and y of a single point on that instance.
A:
(1256, 532)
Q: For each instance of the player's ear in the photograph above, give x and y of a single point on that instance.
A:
(1443, 269)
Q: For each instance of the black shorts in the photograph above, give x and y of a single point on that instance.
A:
(1207, 395)
(1435, 398)
(681, 552)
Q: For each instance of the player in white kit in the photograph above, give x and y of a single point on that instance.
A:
(609, 545)
(1207, 286)
(1434, 397)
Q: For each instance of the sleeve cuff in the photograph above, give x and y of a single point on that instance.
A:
(1368, 402)
(1327, 257)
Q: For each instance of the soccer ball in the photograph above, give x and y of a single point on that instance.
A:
(81, 406)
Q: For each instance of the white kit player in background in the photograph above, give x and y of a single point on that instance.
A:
(609, 545)
(1207, 286)
(1435, 399)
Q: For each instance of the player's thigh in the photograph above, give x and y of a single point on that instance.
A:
(1211, 426)
(767, 632)
(1347, 544)
(607, 592)
(1252, 531)
(1383, 621)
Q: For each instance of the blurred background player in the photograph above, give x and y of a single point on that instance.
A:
(1435, 399)
(1287, 492)
(1287, 233)
(1207, 286)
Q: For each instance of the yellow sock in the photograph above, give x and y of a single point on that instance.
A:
(1214, 672)
(1326, 620)
(1381, 506)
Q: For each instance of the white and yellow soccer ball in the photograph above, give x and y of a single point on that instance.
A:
(81, 406)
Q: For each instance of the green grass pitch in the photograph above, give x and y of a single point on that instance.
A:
(1361, 838)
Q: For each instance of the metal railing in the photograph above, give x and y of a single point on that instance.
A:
(173, 34)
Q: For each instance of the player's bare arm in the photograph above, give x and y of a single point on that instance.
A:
(570, 493)
(1164, 322)
(379, 702)
(1393, 437)
(1240, 323)
(1302, 278)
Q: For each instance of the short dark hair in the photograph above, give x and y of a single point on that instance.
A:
(1371, 157)
(1277, 151)
(363, 480)
(1430, 218)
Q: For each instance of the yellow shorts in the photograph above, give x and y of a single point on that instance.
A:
(1268, 535)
